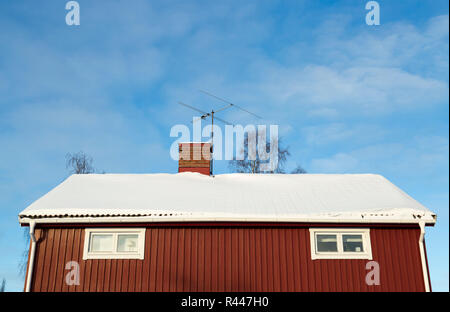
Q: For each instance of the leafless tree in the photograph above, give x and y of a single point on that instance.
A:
(298, 170)
(255, 164)
(79, 163)
(24, 259)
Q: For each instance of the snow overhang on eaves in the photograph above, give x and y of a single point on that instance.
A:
(192, 197)
(371, 218)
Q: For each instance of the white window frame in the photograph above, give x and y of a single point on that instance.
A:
(340, 253)
(139, 254)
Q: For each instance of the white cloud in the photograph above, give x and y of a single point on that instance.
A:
(339, 163)
(359, 74)
(339, 132)
(424, 156)
(326, 113)
(354, 90)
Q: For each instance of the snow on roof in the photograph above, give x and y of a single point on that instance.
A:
(227, 197)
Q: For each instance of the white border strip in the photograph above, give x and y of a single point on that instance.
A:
(144, 219)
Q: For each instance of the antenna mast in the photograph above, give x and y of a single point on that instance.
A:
(206, 115)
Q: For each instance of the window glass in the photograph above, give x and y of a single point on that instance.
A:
(101, 242)
(352, 243)
(127, 243)
(326, 243)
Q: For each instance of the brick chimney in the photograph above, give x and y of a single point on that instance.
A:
(195, 157)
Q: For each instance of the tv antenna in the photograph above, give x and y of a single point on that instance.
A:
(211, 114)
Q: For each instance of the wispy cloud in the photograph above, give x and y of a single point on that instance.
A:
(424, 156)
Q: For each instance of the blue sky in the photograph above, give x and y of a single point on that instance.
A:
(348, 97)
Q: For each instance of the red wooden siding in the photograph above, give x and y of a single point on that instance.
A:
(226, 258)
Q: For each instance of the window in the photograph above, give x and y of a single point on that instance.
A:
(340, 244)
(114, 244)
(326, 243)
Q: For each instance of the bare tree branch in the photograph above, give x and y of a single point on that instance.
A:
(298, 170)
(79, 163)
(255, 164)
(3, 285)
(24, 258)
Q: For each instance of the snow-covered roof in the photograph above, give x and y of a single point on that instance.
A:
(227, 197)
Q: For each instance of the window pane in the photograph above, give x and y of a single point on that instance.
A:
(353, 243)
(101, 243)
(127, 243)
(326, 243)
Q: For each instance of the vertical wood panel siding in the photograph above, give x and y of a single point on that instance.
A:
(227, 259)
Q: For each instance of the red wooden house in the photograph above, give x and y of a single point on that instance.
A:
(232, 232)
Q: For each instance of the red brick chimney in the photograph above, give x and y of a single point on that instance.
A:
(195, 157)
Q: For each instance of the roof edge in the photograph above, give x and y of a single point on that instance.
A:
(429, 220)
